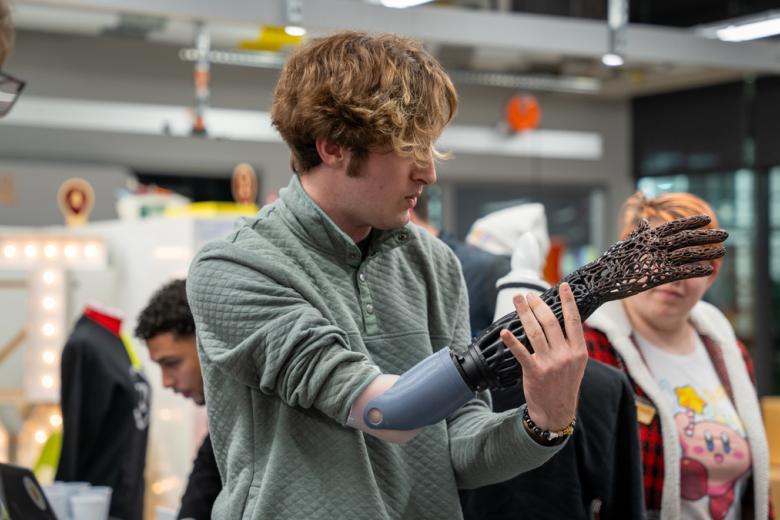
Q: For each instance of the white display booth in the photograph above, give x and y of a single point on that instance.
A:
(47, 277)
(35, 266)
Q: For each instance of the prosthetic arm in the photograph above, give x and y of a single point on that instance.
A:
(443, 382)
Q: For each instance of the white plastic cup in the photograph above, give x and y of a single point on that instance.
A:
(57, 495)
(103, 491)
(72, 489)
(88, 506)
(164, 513)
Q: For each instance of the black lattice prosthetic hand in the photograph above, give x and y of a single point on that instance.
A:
(647, 258)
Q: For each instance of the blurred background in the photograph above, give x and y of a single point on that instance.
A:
(153, 104)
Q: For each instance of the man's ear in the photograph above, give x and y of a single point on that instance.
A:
(332, 154)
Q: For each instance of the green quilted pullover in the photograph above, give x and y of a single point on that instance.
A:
(292, 323)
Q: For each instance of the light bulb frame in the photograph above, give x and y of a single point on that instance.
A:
(46, 258)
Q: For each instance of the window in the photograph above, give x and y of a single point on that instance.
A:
(731, 195)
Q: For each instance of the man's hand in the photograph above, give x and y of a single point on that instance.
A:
(553, 373)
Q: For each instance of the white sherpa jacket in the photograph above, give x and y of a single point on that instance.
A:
(611, 319)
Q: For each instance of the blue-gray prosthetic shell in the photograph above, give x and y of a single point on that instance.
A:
(425, 394)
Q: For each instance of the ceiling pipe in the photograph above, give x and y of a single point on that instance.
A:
(567, 84)
(201, 76)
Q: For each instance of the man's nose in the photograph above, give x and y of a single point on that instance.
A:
(426, 173)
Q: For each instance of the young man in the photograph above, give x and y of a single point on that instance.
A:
(314, 308)
(167, 327)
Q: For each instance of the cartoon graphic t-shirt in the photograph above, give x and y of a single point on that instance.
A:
(715, 463)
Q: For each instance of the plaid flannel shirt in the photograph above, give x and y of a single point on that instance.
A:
(650, 438)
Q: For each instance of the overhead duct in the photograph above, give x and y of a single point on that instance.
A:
(273, 60)
(574, 85)
(136, 26)
(259, 59)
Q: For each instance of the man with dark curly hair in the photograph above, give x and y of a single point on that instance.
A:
(167, 327)
(318, 306)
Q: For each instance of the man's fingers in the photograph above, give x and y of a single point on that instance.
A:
(533, 331)
(571, 313)
(549, 323)
(517, 348)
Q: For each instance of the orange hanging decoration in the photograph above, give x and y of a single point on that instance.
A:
(523, 113)
(552, 265)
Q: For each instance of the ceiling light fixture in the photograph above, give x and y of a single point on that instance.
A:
(751, 30)
(745, 28)
(612, 60)
(617, 20)
(402, 4)
(294, 30)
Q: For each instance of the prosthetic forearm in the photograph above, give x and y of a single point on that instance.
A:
(424, 395)
(445, 381)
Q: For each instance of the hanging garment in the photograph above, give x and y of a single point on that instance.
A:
(105, 413)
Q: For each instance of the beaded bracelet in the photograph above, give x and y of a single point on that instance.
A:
(545, 437)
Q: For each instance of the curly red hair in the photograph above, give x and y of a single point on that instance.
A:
(663, 208)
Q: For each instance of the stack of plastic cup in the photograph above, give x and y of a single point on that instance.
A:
(88, 506)
(79, 500)
(103, 494)
(164, 513)
(57, 495)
